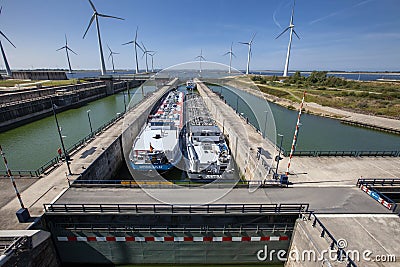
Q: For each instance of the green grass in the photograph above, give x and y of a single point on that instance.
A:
(377, 98)
(12, 83)
(61, 82)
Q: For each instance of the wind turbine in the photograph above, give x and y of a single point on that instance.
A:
(96, 16)
(249, 53)
(8, 70)
(112, 57)
(136, 45)
(66, 51)
(200, 57)
(152, 60)
(145, 53)
(291, 27)
(230, 53)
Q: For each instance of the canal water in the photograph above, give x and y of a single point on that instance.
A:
(316, 133)
(32, 145)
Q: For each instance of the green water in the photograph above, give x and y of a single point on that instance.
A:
(316, 133)
(31, 145)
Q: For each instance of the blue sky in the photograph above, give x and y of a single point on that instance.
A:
(335, 35)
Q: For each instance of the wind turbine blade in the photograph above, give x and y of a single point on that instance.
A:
(227, 53)
(138, 45)
(90, 23)
(115, 53)
(144, 48)
(94, 9)
(137, 28)
(71, 50)
(254, 35)
(107, 16)
(291, 18)
(282, 33)
(110, 55)
(109, 48)
(131, 42)
(66, 42)
(1, 8)
(233, 54)
(60, 48)
(296, 34)
(7, 38)
(244, 43)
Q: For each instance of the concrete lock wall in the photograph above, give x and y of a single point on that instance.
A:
(106, 165)
(24, 107)
(35, 250)
(34, 93)
(249, 166)
(39, 75)
(134, 239)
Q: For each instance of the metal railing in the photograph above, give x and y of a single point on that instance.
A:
(54, 161)
(378, 181)
(345, 153)
(341, 253)
(176, 208)
(167, 229)
(155, 184)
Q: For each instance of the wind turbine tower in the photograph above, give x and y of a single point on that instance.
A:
(66, 47)
(291, 27)
(96, 16)
(200, 57)
(152, 60)
(136, 45)
(230, 53)
(146, 53)
(8, 70)
(249, 53)
(112, 57)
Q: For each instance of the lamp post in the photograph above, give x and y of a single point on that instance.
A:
(61, 138)
(237, 103)
(279, 155)
(90, 122)
(124, 101)
(265, 124)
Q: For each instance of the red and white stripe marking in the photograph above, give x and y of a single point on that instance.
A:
(377, 198)
(170, 238)
(296, 132)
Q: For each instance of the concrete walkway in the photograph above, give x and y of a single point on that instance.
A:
(377, 235)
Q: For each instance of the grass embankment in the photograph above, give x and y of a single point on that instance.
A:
(12, 83)
(376, 98)
(29, 83)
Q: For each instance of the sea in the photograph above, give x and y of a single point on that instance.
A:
(361, 76)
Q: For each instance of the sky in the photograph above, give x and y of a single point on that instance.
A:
(345, 35)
